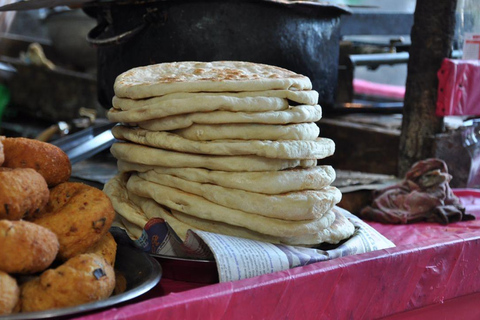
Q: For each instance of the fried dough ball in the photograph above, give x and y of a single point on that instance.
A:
(47, 159)
(120, 283)
(26, 247)
(9, 293)
(106, 248)
(82, 279)
(79, 214)
(23, 193)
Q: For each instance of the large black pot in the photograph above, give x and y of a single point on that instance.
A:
(300, 36)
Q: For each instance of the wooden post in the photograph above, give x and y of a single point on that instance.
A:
(432, 36)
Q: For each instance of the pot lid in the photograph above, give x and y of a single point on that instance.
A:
(39, 4)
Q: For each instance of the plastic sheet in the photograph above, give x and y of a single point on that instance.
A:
(417, 277)
(458, 85)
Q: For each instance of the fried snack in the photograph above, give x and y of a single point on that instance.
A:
(79, 214)
(106, 248)
(23, 193)
(82, 279)
(9, 293)
(120, 283)
(49, 160)
(26, 247)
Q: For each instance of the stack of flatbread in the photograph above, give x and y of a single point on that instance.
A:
(228, 147)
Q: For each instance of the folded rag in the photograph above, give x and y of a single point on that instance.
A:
(424, 195)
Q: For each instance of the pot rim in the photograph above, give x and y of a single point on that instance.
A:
(335, 9)
(41, 4)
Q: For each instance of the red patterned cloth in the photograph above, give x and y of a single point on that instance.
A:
(424, 195)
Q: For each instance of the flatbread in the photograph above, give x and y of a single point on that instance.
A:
(234, 98)
(194, 205)
(297, 114)
(285, 149)
(184, 106)
(296, 205)
(116, 191)
(248, 131)
(135, 153)
(267, 182)
(223, 228)
(133, 231)
(133, 212)
(218, 76)
(341, 229)
(153, 210)
(129, 206)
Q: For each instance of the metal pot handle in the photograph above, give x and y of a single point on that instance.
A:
(151, 16)
(93, 35)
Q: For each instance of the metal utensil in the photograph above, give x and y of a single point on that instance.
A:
(86, 143)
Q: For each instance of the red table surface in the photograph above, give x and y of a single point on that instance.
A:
(432, 273)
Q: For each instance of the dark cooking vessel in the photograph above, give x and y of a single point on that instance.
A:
(297, 35)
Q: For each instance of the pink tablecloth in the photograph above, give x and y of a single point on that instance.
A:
(433, 273)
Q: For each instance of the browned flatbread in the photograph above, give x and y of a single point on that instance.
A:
(217, 76)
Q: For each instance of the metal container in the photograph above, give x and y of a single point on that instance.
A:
(297, 35)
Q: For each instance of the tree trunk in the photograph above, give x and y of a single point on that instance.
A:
(432, 37)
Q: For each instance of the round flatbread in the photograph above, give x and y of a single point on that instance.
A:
(129, 206)
(267, 182)
(234, 98)
(285, 149)
(340, 229)
(296, 205)
(248, 131)
(207, 104)
(297, 114)
(218, 76)
(135, 153)
(194, 205)
(133, 212)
